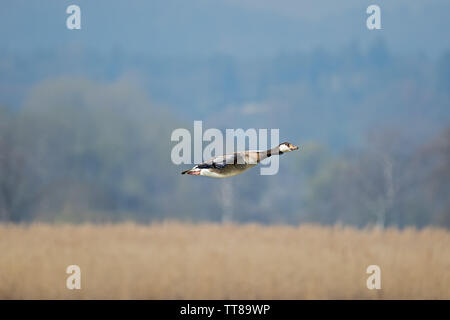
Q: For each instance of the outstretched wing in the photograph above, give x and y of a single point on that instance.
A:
(219, 162)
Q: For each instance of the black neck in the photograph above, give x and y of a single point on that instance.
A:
(270, 152)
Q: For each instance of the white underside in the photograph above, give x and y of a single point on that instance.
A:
(214, 174)
(208, 173)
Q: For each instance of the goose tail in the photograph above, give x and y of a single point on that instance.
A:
(194, 171)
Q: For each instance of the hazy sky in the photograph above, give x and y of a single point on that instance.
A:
(236, 27)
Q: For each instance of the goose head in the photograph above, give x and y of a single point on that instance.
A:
(287, 147)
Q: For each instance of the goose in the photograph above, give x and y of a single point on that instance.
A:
(236, 163)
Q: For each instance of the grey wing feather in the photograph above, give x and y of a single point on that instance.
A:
(219, 162)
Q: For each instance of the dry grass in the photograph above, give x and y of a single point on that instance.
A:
(186, 261)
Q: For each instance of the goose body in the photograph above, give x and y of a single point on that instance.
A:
(236, 163)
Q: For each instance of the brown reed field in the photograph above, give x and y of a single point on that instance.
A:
(211, 261)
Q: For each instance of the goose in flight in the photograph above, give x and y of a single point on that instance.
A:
(235, 163)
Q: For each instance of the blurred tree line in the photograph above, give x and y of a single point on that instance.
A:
(374, 129)
(388, 182)
(83, 151)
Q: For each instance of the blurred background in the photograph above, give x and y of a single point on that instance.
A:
(86, 115)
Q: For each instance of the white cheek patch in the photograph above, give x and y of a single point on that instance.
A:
(284, 148)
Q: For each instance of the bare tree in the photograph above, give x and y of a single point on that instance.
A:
(18, 189)
(10, 180)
